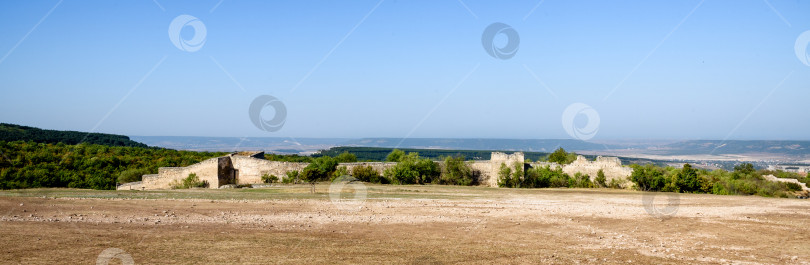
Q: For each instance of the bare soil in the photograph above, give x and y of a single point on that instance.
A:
(401, 225)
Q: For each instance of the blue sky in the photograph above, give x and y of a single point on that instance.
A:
(677, 69)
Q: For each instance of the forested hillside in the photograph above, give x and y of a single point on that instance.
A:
(13, 132)
(31, 165)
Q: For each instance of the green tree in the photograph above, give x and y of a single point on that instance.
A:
(601, 180)
(745, 168)
(687, 179)
(346, 157)
(413, 170)
(517, 174)
(395, 156)
(268, 178)
(648, 177)
(292, 176)
(321, 168)
(132, 175)
(559, 156)
(581, 181)
(368, 174)
(505, 176)
(403, 173)
(340, 171)
(456, 171)
(192, 181)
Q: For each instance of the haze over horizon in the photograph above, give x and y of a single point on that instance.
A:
(686, 70)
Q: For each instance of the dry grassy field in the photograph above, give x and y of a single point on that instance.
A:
(399, 224)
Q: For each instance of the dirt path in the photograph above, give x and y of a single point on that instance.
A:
(466, 226)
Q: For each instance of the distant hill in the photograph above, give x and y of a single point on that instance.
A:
(13, 132)
(789, 149)
(735, 147)
(526, 145)
(380, 153)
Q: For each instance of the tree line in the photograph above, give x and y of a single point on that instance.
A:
(13, 132)
(34, 165)
(743, 180)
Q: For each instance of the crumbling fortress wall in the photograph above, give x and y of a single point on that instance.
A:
(248, 168)
(378, 166)
(488, 169)
(611, 166)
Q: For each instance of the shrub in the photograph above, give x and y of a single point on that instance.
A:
(505, 177)
(132, 175)
(413, 170)
(518, 174)
(744, 168)
(192, 181)
(368, 174)
(615, 184)
(346, 157)
(561, 157)
(545, 177)
(340, 171)
(601, 180)
(456, 171)
(559, 181)
(512, 177)
(321, 168)
(291, 177)
(793, 186)
(648, 177)
(429, 171)
(269, 178)
(687, 179)
(395, 156)
(581, 181)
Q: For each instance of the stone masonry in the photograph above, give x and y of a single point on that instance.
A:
(248, 168)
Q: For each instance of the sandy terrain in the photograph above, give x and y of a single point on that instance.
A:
(400, 224)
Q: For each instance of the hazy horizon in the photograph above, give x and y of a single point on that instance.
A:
(588, 70)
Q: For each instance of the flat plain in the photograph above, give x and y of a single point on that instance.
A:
(400, 224)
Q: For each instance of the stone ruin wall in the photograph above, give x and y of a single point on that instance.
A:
(249, 169)
(138, 185)
(205, 170)
(380, 167)
(611, 166)
(488, 169)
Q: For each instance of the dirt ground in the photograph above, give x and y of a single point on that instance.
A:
(401, 225)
